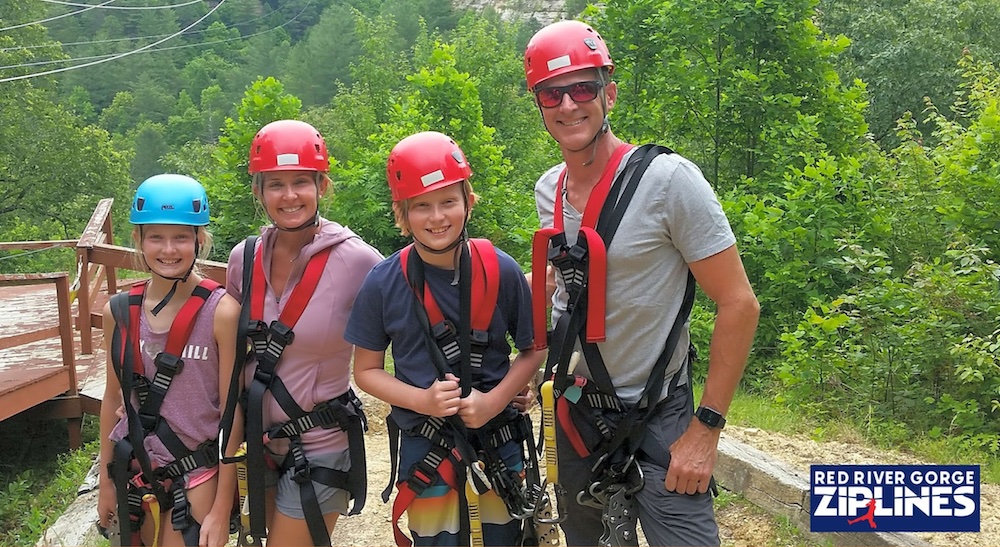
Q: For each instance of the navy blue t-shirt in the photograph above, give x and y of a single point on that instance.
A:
(384, 311)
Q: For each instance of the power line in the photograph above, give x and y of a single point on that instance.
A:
(106, 55)
(60, 2)
(57, 16)
(110, 40)
(119, 56)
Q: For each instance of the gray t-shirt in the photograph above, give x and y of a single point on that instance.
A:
(674, 218)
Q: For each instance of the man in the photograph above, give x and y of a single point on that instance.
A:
(666, 229)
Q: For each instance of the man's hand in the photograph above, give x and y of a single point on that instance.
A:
(692, 459)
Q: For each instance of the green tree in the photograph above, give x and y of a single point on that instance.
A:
(228, 186)
(725, 83)
(906, 51)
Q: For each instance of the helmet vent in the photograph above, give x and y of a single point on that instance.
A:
(139, 203)
(196, 205)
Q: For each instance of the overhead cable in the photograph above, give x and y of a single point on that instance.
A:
(118, 56)
(57, 16)
(169, 48)
(172, 6)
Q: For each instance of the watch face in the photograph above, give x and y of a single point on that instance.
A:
(710, 417)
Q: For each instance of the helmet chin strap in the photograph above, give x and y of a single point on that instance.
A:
(452, 247)
(314, 221)
(183, 279)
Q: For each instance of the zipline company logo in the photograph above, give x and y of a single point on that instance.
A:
(894, 498)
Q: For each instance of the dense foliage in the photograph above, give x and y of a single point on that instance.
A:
(853, 144)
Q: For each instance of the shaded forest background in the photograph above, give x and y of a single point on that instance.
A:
(855, 145)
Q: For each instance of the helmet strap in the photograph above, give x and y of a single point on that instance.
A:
(183, 279)
(309, 223)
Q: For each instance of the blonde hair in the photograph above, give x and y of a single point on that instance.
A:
(205, 240)
(400, 208)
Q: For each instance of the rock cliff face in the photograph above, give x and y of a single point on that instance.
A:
(544, 11)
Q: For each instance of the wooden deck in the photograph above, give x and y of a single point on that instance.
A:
(52, 365)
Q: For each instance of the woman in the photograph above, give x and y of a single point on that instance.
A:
(304, 423)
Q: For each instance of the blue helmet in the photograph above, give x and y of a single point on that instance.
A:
(170, 199)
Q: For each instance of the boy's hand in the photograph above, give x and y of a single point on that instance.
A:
(443, 397)
(478, 408)
(525, 400)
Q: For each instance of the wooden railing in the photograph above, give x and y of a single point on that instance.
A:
(62, 385)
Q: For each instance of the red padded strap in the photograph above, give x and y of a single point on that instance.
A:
(598, 195)
(183, 323)
(135, 295)
(406, 495)
(301, 294)
(539, 261)
(180, 328)
(485, 284)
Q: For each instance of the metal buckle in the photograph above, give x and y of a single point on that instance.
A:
(544, 504)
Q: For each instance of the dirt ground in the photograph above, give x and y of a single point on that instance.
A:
(739, 525)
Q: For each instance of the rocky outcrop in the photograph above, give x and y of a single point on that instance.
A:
(543, 11)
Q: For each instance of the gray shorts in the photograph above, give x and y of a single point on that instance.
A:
(666, 518)
(331, 500)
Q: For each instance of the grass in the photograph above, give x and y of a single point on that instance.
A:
(769, 529)
(749, 410)
(39, 475)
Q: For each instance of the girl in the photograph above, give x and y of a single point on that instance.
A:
(170, 357)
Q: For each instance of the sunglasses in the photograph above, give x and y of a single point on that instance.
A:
(580, 92)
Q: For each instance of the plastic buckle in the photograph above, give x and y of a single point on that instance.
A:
(263, 376)
(256, 327)
(326, 415)
(281, 333)
(302, 474)
(480, 338)
(443, 330)
(149, 421)
(578, 253)
(172, 363)
(421, 478)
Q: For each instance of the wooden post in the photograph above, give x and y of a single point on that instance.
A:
(74, 423)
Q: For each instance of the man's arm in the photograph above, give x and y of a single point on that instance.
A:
(723, 279)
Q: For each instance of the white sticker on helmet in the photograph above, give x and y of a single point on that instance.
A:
(288, 159)
(431, 178)
(558, 62)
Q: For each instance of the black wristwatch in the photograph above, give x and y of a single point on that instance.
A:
(710, 417)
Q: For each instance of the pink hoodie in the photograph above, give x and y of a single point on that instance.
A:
(315, 367)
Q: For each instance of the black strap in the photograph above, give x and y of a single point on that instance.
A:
(122, 359)
(232, 399)
(254, 426)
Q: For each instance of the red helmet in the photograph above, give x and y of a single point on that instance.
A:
(288, 145)
(424, 162)
(564, 47)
